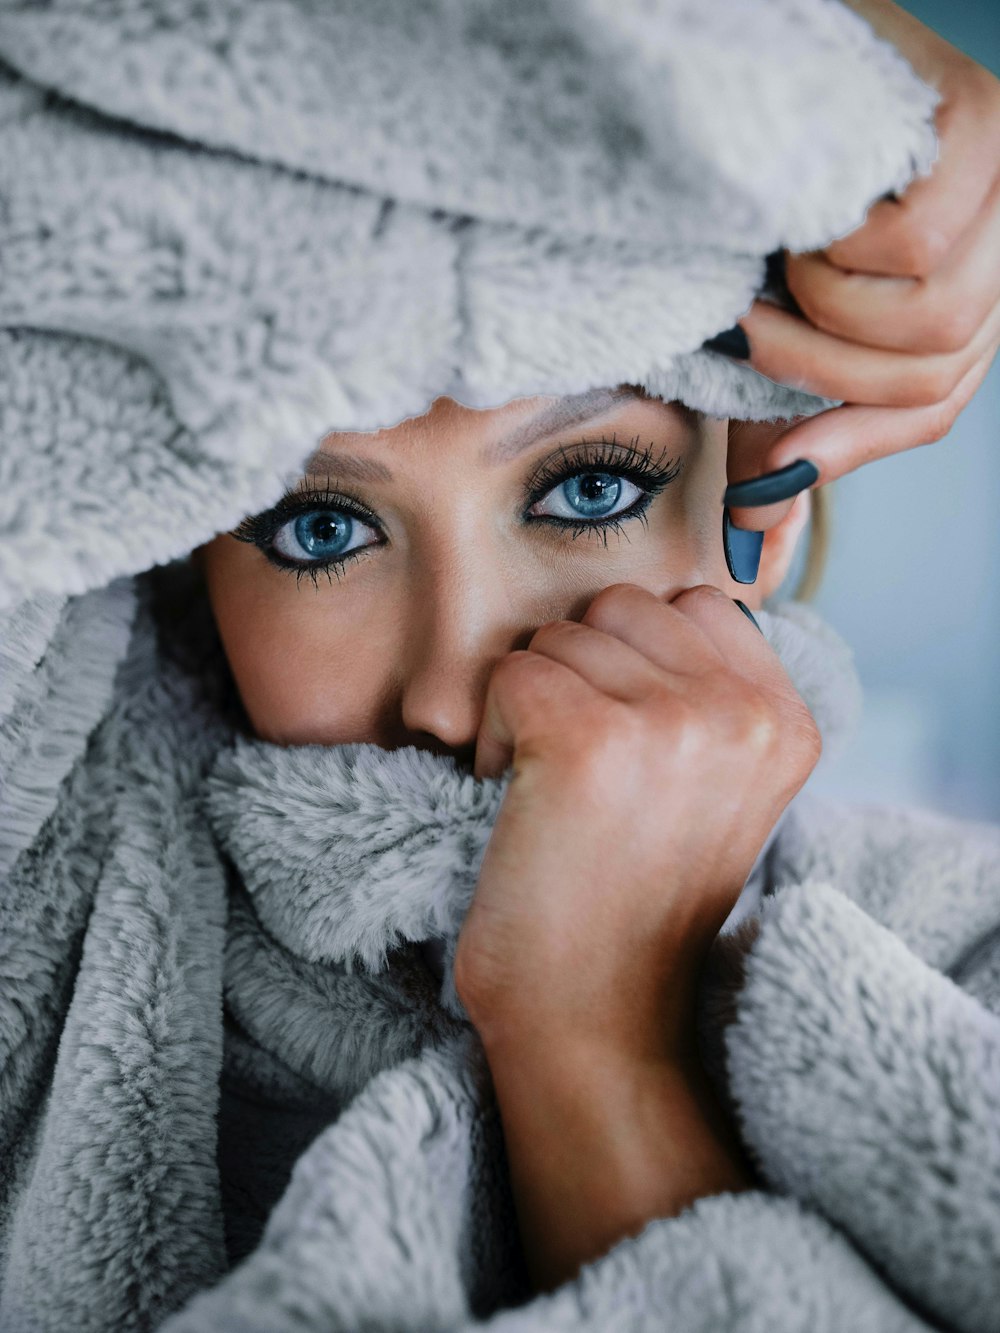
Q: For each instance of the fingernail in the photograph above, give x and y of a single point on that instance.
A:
(747, 612)
(733, 342)
(772, 486)
(742, 547)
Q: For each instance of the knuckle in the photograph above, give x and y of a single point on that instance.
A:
(801, 738)
(932, 383)
(949, 330)
(608, 602)
(682, 721)
(755, 726)
(809, 738)
(517, 671)
(820, 305)
(717, 714)
(551, 631)
(920, 248)
(603, 748)
(939, 423)
(698, 596)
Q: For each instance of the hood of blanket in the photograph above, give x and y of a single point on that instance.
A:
(349, 851)
(229, 229)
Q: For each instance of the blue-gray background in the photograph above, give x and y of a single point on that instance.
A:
(913, 580)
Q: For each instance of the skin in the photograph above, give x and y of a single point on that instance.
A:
(414, 629)
(619, 678)
(616, 678)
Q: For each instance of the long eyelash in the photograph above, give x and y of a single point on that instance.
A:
(637, 465)
(260, 529)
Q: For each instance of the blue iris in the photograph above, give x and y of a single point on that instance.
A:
(593, 492)
(323, 532)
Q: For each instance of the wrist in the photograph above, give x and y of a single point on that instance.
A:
(587, 1086)
(599, 1143)
(649, 1020)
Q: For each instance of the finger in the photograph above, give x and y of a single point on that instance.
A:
(912, 236)
(751, 656)
(791, 351)
(746, 651)
(527, 699)
(657, 629)
(939, 313)
(631, 639)
(612, 665)
(758, 518)
(845, 438)
(750, 445)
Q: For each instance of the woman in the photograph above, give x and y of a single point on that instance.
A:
(448, 572)
(246, 931)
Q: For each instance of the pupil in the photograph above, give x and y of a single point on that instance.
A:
(594, 492)
(323, 532)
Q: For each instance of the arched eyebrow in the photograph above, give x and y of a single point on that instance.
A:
(352, 467)
(565, 413)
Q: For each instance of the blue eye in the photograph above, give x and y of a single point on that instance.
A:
(598, 486)
(317, 535)
(590, 495)
(595, 487)
(312, 532)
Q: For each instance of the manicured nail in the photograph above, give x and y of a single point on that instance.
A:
(747, 612)
(772, 486)
(742, 547)
(733, 342)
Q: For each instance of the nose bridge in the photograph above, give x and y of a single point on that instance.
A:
(463, 618)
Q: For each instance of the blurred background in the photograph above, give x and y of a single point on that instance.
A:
(913, 581)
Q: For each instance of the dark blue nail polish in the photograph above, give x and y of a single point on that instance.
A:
(747, 612)
(733, 342)
(772, 486)
(742, 548)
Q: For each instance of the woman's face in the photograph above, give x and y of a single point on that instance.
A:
(374, 601)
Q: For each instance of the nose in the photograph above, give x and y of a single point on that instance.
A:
(456, 637)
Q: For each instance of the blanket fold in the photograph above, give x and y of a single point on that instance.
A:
(880, 1105)
(210, 961)
(229, 229)
(316, 1028)
(734, 1262)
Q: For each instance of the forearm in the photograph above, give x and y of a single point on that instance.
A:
(598, 1145)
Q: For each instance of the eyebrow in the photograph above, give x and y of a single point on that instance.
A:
(569, 411)
(561, 415)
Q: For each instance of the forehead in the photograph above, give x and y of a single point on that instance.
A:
(497, 434)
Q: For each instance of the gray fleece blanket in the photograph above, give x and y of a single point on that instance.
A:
(236, 1089)
(239, 1091)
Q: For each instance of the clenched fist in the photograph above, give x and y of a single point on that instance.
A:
(654, 746)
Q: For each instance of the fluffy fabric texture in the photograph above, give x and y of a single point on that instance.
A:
(228, 229)
(236, 1094)
(237, 1090)
(349, 851)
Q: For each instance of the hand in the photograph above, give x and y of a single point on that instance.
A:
(654, 746)
(902, 317)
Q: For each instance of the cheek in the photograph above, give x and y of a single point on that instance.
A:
(683, 545)
(306, 660)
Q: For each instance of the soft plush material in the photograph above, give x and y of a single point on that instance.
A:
(237, 1089)
(230, 228)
